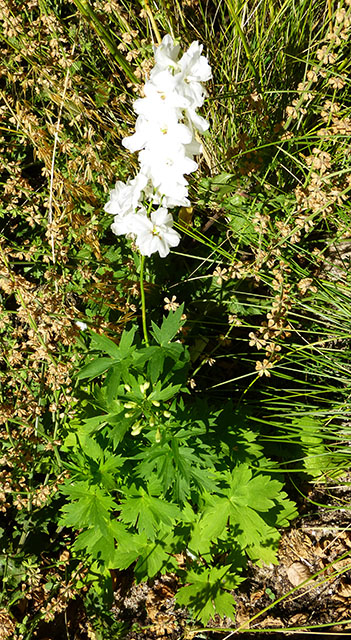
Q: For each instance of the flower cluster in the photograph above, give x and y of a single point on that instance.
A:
(165, 139)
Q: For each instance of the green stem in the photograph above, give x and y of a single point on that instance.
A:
(142, 293)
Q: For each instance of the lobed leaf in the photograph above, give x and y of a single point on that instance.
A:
(105, 344)
(169, 327)
(95, 368)
(206, 594)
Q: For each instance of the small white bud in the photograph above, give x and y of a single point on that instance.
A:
(136, 429)
(81, 325)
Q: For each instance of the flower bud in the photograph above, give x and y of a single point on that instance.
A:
(136, 429)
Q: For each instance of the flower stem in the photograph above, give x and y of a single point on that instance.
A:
(142, 293)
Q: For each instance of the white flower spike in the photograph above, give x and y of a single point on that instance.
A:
(166, 145)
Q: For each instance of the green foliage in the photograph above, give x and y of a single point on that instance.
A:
(207, 593)
(316, 459)
(149, 474)
(251, 509)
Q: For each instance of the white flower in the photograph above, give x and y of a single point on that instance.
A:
(124, 198)
(184, 75)
(166, 132)
(177, 195)
(197, 121)
(171, 304)
(161, 93)
(156, 234)
(194, 66)
(194, 148)
(166, 55)
(125, 225)
(172, 195)
(168, 166)
(81, 325)
(165, 168)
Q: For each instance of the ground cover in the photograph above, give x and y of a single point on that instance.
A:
(164, 420)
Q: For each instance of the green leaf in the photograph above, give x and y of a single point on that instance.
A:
(266, 550)
(258, 492)
(155, 364)
(95, 368)
(151, 556)
(90, 506)
(69, 441)
(177, 466)
(145, 354)
(126, 555)
(155, 357)
(152, 559)
(90, 425)
(105, 344)
(120, 427)
(102, 545)
(206, 594)
(215, 519)
(173, 350)
(90, 447)
(96, 543)
(251, 506)
(164, 394)
(169, 327)
(109, 474)
(220, 184)
(125, 345)
(251, 529)
(147, 512)
(287, 511)
(111, 462)
(224, 604)
(199, 543)
(112, 381)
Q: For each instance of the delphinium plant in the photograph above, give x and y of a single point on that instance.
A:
(160, 481)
